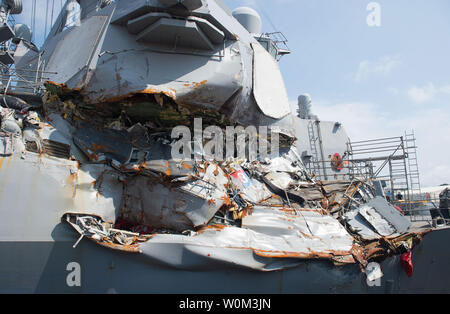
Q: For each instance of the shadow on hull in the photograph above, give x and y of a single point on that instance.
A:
(107, 271)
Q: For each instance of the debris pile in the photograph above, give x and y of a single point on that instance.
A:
(271, 208)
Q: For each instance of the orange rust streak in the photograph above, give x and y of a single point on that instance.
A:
(214, 227)
(293, 211)
(74, 177)
(56, 84)
(305, 235)
(126, 248)
(97, 147)
(226, 200)
(149, 91)
(351, 194)
(168, 172)
(197, 85)
(311, 254)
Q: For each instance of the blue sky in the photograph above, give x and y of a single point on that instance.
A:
(377, 81)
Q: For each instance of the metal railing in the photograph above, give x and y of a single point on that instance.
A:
(420, 206)
(23, 81)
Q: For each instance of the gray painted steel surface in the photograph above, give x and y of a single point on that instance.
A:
(141, 47)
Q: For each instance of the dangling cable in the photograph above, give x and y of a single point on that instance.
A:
(53, 8)
(33, 19)
(46, 18)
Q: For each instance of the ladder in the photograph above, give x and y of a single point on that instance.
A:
(399, 175)
(314, 167)
(413, 165)
(351, 164)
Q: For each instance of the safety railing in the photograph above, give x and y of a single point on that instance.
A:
(23, 81)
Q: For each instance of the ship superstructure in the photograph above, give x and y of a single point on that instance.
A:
(89, 178)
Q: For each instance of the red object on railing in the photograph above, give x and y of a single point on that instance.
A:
(337, 163)
(399, 209)
(407, 264)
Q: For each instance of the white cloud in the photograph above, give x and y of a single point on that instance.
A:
(427, 93)
(381, 67)
(445, 89)
(432, 131)
(422, 94)
(361, 120)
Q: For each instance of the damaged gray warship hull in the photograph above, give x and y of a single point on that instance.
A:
(92, 199)
(42, 269)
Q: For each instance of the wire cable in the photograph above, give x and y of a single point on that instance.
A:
(53, 8)
(46, 20)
